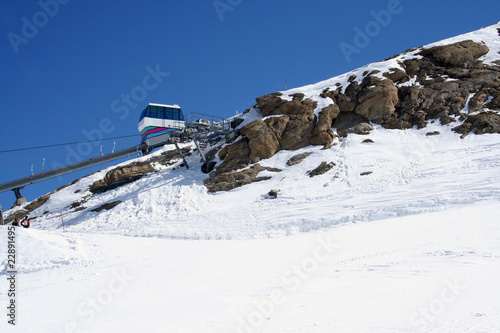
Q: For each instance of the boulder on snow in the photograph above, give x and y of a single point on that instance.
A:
(323, 168)
(297, 158)
(122, 175)
(273, 193)
(106, 206)
(482, 123)
(20, 214)
(457, 53)
(229, 180)
(349, 122)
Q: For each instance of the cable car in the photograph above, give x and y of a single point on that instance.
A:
(159, 121)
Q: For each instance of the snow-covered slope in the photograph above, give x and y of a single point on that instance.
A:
(412, 173)
(401, 235)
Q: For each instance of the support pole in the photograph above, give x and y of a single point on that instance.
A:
(19, 198)
(180, 153)
(199, 150)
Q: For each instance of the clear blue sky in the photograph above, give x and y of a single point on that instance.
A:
(69, 74)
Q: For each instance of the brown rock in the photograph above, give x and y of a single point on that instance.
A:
(457, 53)
(106, 206)
(277, 125)
(233, 179)
(323, 168)
(322, 133)
(484, 122)
(349, 122)
(378, 103)
(298, 132)
(495, 102)
(20, 214)
(122, 175)
(297, 159)
(262, 140)
(272, 104)
(235, 156)
(396, 75)
(268, 103)
(476, 103)
(348, 101)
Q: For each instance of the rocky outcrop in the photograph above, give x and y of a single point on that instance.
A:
(436, 84)
(456, 54)
(19, 214)
(32, 206)
(122, 175)
(377, 99)
(235, 156)
(482, 123)
(293, 127)
(351, 123)
(263, 136)
(322, 133)
(229, 180)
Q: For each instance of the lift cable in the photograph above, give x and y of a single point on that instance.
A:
(33, 156)
(65, 144)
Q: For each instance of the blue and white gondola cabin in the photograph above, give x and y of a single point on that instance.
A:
(158, 121)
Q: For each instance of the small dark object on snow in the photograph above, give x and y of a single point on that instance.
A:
(106, 206)
(273, 193)
(208, 167)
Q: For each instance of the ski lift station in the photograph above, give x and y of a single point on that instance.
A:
(159, 121)
(159, 124)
